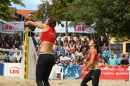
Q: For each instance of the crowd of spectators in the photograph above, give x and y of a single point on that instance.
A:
(72, 50)
(67, 50)
(11, 48)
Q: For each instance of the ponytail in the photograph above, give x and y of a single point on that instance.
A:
(96, 45)
(97, 48)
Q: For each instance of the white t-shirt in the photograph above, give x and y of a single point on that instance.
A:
(63, 58)
(18, 56)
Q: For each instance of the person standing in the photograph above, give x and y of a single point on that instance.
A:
(46, 58)
(31, 28)
(95, 71)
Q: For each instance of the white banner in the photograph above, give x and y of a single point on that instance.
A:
(12, 69)
(12, 27)
(80, 29)
(58, 28)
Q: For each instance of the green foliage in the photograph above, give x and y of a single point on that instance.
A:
(5, 12)
(111, 16)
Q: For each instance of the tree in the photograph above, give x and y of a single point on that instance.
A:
(5, 11)
(111, 17)
(57, 9)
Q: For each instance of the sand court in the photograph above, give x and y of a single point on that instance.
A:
(15, 81)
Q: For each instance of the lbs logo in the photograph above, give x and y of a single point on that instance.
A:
(14, 70)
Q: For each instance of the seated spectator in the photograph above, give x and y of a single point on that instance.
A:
(7, 60)
(18, 56)
(14, 48)
(102, 63)
(73, 54)
(124, 61)
(21, 48)
(127, 57)
(75, 62)
(11, 56)
(78, 53)
(1, 60)
(63, 57)
(20, 60)
(4, 55)
(67, 62)
(55, 55)
(61, 50)
(59, 45)
(84, 52)
(71, 46)
(15, 60)
(70, 56)
(66, 37)
(78, 45)
(120, 58)
(66, 48)
(84, 61)
(112, 61)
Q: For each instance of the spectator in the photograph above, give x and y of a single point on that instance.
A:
(112, 61)
(17, 55)
(1, 60)
(113, 52)
(11, 56)
(4, 55)
(120, 58)
(124, 61)
(84, 51)
(102, 62)
(105, 40)
(78, 45)
(7, 60)
(106, 54)
(66, 48)
(61, 50)
(15, 60)
(56, 56)
(78, 53)
(63, 57)
(60, 37)
(59, 45)
(67, 36)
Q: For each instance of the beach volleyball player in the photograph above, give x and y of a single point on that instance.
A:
(94, 72)
(46, 59)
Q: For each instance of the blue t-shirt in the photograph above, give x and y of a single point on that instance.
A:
(11, 57)
(119, 60)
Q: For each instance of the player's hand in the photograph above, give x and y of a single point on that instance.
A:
(82, 72)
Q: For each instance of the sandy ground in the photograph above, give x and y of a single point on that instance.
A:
(14, 81)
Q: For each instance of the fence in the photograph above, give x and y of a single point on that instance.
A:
(72, 71)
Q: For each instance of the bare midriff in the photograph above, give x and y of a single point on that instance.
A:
(95, 65)
(46, 46)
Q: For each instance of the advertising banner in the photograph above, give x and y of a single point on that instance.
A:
(12, 69)
(13, 27)
(72, 71)
(1, 68)
(112, 73)
(80, 29)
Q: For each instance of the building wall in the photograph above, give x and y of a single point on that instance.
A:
(113, 41)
